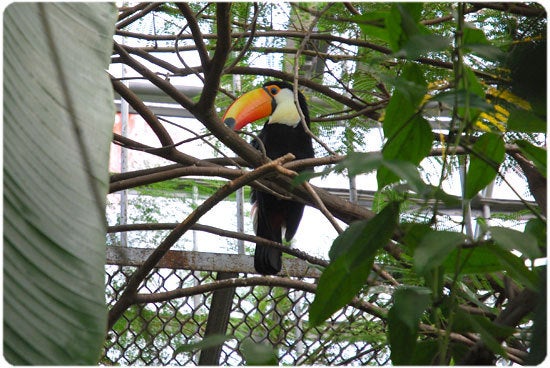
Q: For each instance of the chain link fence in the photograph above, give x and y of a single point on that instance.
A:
(149, 334)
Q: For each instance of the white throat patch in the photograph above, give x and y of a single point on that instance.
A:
(285, 112)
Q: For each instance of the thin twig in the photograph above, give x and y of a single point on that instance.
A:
(138, 15)
(247, 282)
(250, 39)
(196, 33)
(225, 233)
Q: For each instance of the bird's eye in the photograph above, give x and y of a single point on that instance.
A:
(274, 90)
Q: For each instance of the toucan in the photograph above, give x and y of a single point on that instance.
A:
(282, 133)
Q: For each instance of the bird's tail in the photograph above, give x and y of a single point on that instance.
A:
(267, 260)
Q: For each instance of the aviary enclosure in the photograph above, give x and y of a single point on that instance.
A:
(439, 106)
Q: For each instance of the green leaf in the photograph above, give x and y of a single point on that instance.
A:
(373, 24)
(410, 89)
(535, 154)
(343, 243)
(55, 91)
(537, 228)
(409, 303)
(207, 342)
(434, 248)
(476, 260)
(469, 82)
(258, 354)
(355, 163)
(408, 172)
(425, 353)
(489, 332)
(420, 44)
(407, 37)
(402, 23)
(538, 348)
(409, 135)
(480, 173)
(462, 97)
(473, 36)
(525, 121)
(474, 39)
(353, 255)
(412, 144)
(516, 268)
(360, 163)
(510, 239)
(414, 232)
(480, 326)
(306, 176)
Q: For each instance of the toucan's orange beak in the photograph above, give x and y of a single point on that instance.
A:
(251, 106)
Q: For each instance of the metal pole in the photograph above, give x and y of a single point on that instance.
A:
(240, 218)
(124, 117)
(196, 298)
(352, 189)
(466, 205)
(240, 192)
(486, 208)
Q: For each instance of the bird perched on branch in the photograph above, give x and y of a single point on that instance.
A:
(282, 133)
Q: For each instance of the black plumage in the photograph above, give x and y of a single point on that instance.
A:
(273, 214)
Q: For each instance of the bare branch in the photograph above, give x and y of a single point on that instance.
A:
(125, 18)
(226, 233)
(251, 281)
(536, 10)
(213, 74)
(125, 12)
(144, 111)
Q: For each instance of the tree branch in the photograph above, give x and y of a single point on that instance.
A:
(225, 233)
(138, 105)
(125, 19)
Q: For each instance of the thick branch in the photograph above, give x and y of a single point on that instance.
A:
(537, 183)
(138, 105)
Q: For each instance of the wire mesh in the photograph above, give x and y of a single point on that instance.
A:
(149, 334)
